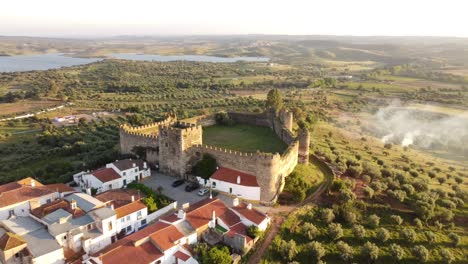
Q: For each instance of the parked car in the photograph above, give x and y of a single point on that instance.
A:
(203, 191)
(178, 183)
(192, 186)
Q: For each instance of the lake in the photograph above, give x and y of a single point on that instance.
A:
(58, 60)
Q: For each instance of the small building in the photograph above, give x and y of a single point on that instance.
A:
(115, 175)
(18, 198)
(234, 183)
(40, 246)
(130, 211)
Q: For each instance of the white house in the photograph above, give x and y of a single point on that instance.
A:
(18, 198)
(78, 222)
(38, 246)
(130, 211)
(115, 175)
(234, 182)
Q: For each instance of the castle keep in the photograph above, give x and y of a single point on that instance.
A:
(177, 145)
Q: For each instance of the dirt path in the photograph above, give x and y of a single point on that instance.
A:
(277, 216)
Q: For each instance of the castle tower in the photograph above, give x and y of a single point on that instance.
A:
(287, 118)
(174, 140)
(304, 142)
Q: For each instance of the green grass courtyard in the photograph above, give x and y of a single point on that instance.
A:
(243, 138)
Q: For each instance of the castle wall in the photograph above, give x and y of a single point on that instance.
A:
(128, 140)
(204, 120)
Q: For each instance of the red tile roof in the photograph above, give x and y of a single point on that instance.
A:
(170, 218)
(106, 174)
(21, 191)
(118, 197)
(251, 214)
(46, 209)
(128, 164)
(129, 209)
(230, 175)
(166, 237)
(60, 187)
(240, 229)
(181, 255)
(200, 213)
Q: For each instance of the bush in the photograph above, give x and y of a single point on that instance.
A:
(396, 219)
(327, 215)
(421, 253)
(253, 231)
(338, 185)
(345, 251)
(408, 235)
(224, 119)
(397, 252)
(309, 230)
(383, 234)
(317, 250)
(446, 255)
(219, 255)
(335, 231)
(359, 231)
(370, 251)
(374, 221)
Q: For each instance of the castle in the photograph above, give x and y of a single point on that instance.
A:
(177, 145)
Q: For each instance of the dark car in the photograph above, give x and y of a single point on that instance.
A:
(177, 183)
(192, 186)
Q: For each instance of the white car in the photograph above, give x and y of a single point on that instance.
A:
(203, 191)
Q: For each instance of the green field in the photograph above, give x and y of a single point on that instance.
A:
(243, 138)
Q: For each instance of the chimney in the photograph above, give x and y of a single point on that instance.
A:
(33, 183)
(214, 217)
(145, 166)
(235, 202)
(133, 198)
(112, 206)
(88, 191)
(73, 204)
(249, 206)
(133, 165)
(181, 214)
(238, 179)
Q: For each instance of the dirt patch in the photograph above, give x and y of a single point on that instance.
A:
(26, 106)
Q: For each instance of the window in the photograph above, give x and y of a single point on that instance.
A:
(143, 222)
(64, 237)
(11, 212)
(122, 220)
(49, 200)
(129, 229)
(139, 214)
(213, 184)
(136, 170)
(124, 174)
(128, 218)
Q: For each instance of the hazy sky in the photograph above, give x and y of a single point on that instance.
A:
(175, 17)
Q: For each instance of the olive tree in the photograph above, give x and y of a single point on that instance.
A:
(396, 219)
(345, 250)
(374, 221)
(310, 231)
(370, 251)
(397, 252)
(359, 231)
(317, 250)
(335, 231)
(327, 215)
(408, 234)
(446, 255)
(421, 253)
(383, 234)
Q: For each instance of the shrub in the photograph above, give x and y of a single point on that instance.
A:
(253, 231)
(349, 217)
(359, 231)
(370, 251)
(398, 195)
(421, 253)
(454, 238)
(397, 252)
(347, 196)
(224, 119)
(374, 221)
(335, 231)
(418, 223)
(218, 255)
(396, 219)
(369, 192)
(408, 234)
(205, 167)
(345, 251)
(327, 215)
(310, 231)
(317, 250)
(446, 255)
(383, 234)
(338, 185)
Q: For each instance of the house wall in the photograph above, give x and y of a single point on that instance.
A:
(54, 257)
(134, 221)
(160, 212)
(23, 208)
(244, 192)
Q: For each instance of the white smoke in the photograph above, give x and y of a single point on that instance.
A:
(422, 127)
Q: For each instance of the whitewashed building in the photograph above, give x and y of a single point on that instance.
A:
(234, 183)
(115, 175)
(19, 197)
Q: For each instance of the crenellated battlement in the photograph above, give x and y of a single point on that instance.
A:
(234, 153)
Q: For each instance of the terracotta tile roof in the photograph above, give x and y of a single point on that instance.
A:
(251, 214)
(128, 164)
(118, 197)
(239, 229)
(200, 213)
(49, 208)
(166, 237)
(106, 174)
(124, 252)
(60, 187)
(10, 240)
(21, 191)
(230, 218)
(170, 218)
(129, 209)
(230, 175)
(181, 255)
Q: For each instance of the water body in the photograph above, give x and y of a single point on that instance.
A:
(40, 62)
(58, 60)
(200, 58)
